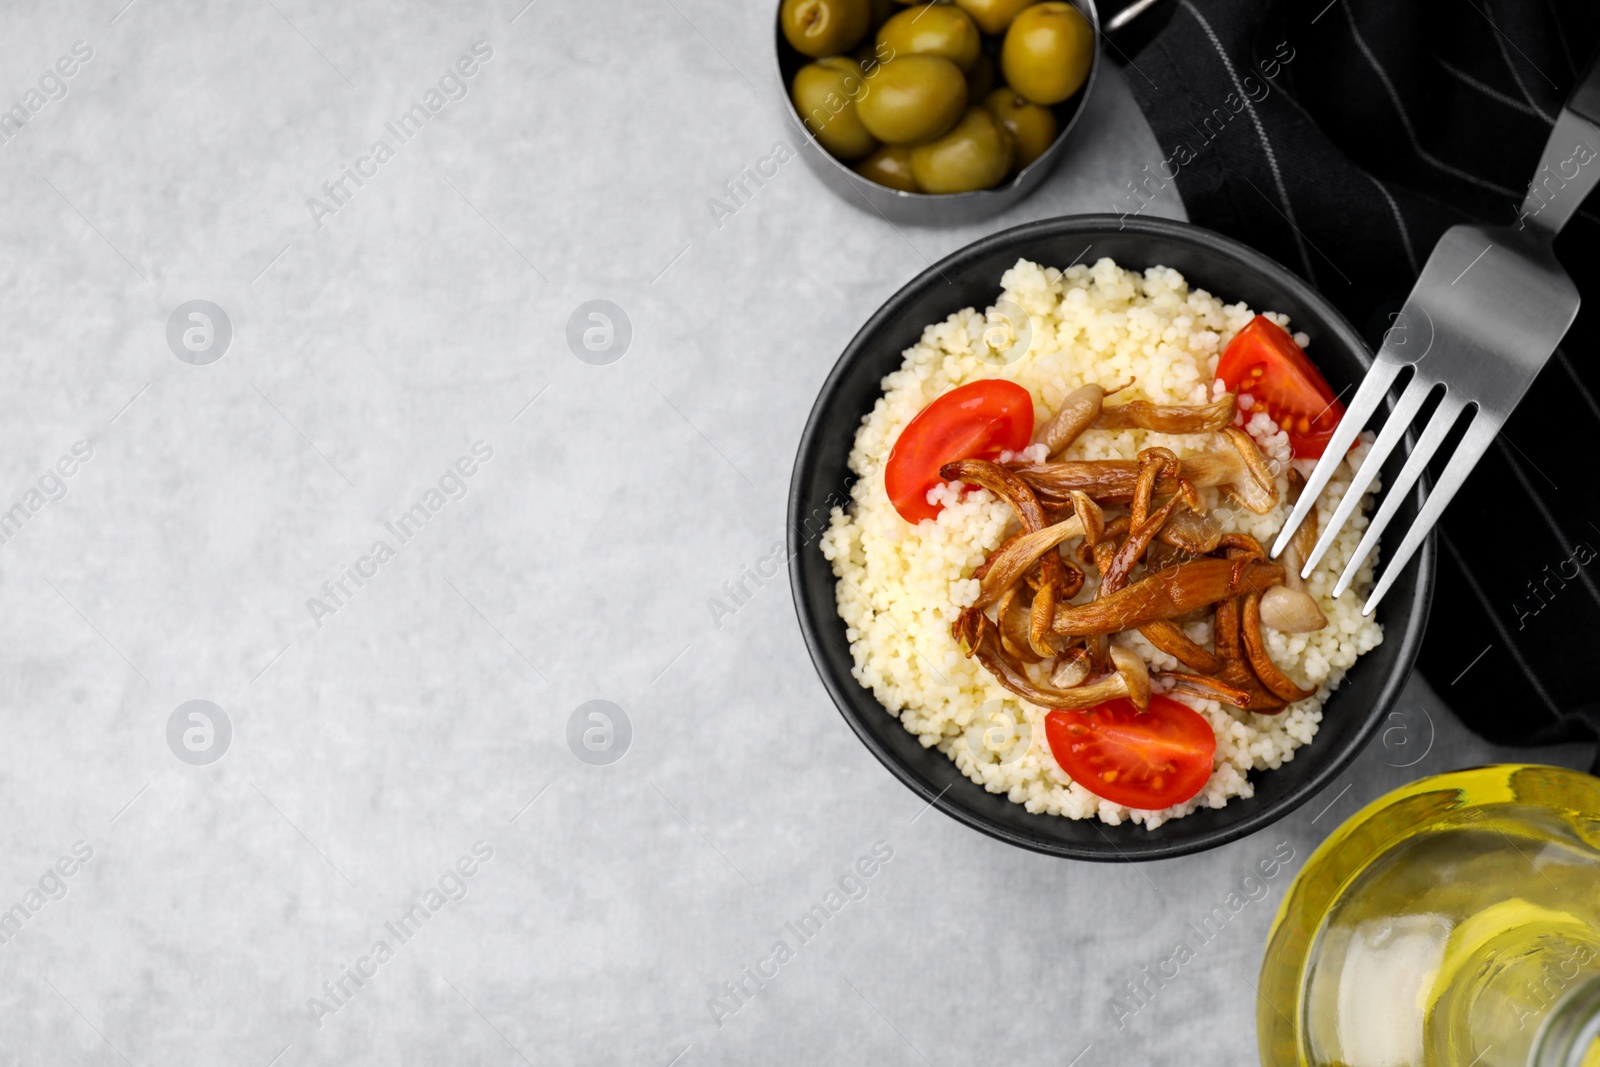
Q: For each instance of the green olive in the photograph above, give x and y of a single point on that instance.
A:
(976, 154)
(912, 99)
(992, 16)
(933, 30)
(891, 166)
(820, 28)
(980, 79)
(869, 54)
(825, 94)
(1032, 127)
(1047, 52)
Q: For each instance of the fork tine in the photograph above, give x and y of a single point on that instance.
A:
(1433, 435)
(1480, 435)
(1374, 387)
(1394, 428)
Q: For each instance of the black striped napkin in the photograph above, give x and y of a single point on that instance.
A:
(1342, 138)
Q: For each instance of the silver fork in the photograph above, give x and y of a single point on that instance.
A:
(1490, 307)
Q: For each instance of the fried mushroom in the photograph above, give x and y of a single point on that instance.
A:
(1075, 415)
(1167, 595)
(1168, 418)
(1255, 647)
(1237, 467)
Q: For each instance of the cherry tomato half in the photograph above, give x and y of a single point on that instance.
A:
(1151, 759)
(1263, 360)
(978, 420)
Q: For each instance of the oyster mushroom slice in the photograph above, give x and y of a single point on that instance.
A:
(1256, 490)
(1011, 621)
(1237, 467)
(1003, 484)
(1112, 481)
(1296, 609)
(1043, 612)
(1193, 532)
(1207, 688)
(1075, 415)
(1018, 555)
(1304, 540)
(1090, 514)
(1241, 546)
(1167, 594)
(1131, 681)
(1170, 638)
(1115, 575)
(1153, 463)
(1279, 684)
(978, 638)
(1104, 553)
(1235, 683)
(1030, 513)
(1168, 418)
(1289, 607)
(1071, 669)
(1291, 610)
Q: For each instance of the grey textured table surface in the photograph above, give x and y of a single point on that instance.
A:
(380, 732)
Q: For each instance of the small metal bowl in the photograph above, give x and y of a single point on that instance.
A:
(925, 209)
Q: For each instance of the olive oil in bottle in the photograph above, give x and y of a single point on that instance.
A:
(1455, 921)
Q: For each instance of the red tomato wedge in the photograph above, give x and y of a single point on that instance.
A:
(1263, 360)
(978, 420)
(1152, 759)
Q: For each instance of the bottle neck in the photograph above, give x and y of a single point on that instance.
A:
(1570, 1037)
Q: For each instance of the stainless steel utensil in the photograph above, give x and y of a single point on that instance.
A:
(1124, 18)
(1490, 307)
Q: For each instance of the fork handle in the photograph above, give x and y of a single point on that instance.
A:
(1570, 166)
(1585, 99)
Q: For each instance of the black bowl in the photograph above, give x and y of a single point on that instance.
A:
(971, 277)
